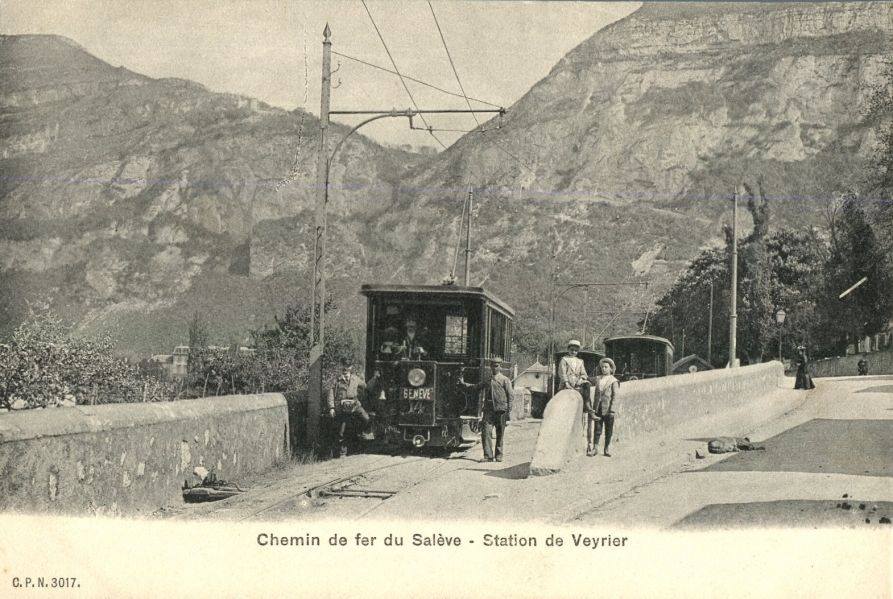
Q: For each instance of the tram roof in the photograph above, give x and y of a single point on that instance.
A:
(663, 340)
(448, 291)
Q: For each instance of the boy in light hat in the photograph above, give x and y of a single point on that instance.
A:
(603, 409)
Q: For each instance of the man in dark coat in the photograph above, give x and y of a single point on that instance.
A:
(498, 395)
(411, 346)
(345, 402)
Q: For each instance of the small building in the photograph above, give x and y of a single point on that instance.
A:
(180, 361)
(535, 378)
(690, 363)
(159, 365)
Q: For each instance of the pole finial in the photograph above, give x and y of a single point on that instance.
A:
(327, 33)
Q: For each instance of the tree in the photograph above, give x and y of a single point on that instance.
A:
(797, 281)
(791, 276)
(878, 184)
(855, 253)
(675, 311)
(679, 311)
(198, 332)
(755, 309)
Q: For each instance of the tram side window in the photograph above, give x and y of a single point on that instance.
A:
(456, 337)
(497, 336)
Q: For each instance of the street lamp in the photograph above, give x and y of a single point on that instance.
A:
(779, 320)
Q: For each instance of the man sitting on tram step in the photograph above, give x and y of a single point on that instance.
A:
(344, 402)
(411, 348)
(498, 394)
(572, 373)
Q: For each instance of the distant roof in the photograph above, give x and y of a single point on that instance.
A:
(691, 358)
(442, 290)
(537, 367)
(636, 337)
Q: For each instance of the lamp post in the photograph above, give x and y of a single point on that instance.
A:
(779, 320)
(733, 300)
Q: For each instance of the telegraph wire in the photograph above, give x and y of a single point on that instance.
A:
(413, 79)
(394, 64)
(452, 64)
(522, 163)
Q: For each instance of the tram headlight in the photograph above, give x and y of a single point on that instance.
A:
(416, 377)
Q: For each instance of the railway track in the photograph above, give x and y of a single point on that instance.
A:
(348, 489)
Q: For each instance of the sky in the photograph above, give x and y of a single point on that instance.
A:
(272, 49)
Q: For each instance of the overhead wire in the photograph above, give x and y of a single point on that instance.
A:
(413, 79)
(394, 64)
(452, 64)
(521, 162)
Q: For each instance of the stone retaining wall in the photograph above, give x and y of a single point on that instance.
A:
(653, 405)
(132, 458)
(878, 363)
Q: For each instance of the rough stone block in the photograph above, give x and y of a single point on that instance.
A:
(561, 433)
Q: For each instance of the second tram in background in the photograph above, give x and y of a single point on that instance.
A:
(640, 356)
(423, 339)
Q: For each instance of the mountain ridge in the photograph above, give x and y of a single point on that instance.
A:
(610, 170)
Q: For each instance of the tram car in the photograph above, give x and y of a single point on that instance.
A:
(423, 340)
(640, 356)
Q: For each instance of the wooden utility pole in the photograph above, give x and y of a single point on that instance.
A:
(468, 240)
(585, 319)
(710, 328)
(733, 303)
(318, 305)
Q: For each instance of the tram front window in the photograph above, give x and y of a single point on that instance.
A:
(421, 332)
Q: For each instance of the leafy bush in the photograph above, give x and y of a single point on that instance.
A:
(278, 362)
(44, 366)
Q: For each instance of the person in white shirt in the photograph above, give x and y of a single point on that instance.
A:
(572, 372)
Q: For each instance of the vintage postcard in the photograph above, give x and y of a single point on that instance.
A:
(445, 298)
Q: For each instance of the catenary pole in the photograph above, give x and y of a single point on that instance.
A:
(710, 328)
(324, 162)
(318, 307)
(468, 240)
(733, 302)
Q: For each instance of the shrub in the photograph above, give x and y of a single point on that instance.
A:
(278, 363)
(44, 366)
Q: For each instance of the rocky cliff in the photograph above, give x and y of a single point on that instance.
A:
(125, 196)
(620, 163)
(122, 195)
